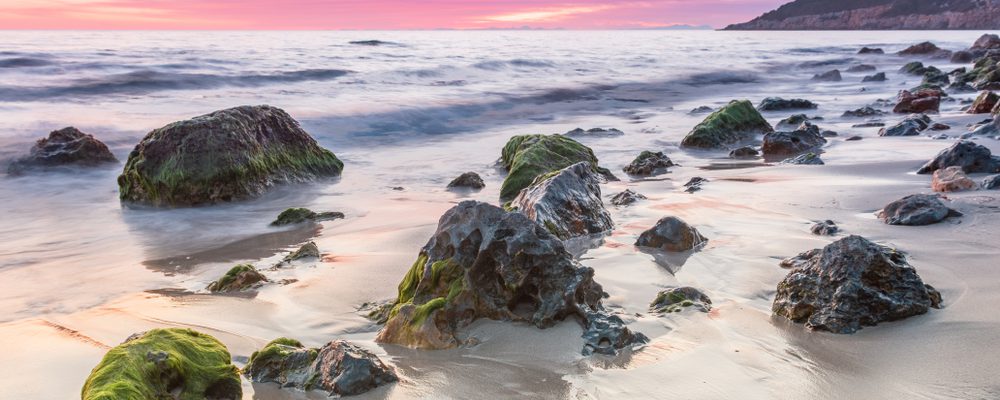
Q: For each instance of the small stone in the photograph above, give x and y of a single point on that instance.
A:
(744, 152)
(671, 234)
(825, 228)
(648, 164)
(694, 184)
(627, 197)
(805, 159)
(468, 180)
(866, 111)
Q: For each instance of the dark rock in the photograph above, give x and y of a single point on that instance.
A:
(916, 210)
(224, 156)
(934, 77)
(468, 180)
(853, 138)
(694, 184)
(594, 132)
(807, 137)
(701, 110)
(912, 125)
(985, 103)
(878, 77)
(925, 49)
(671, 234)
(567, 202)
(736, 122)
(627, 197)
(744, 152)
(951, 179)
(828, 76)
(794, 120)
(240, 277)
(780, 104)
(962, 57)
(339, 368)
(805, 159)
(924, 100)
(825, 228)
(850, 284)
(373, 43)
(861, 68)
(986, 42)
(985, 73)
(649, 163)
(680, 298)
(961, 87)
(991, 182)
(527, 157)
(970, 156)
(937, 126)
(870, 124)
(914, 68)
(65, 147)
(863, 112)
(870, 50)
(299, 215)
(607, 333)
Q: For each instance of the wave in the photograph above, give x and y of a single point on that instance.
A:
(515, 63)
(721, 78)
(24, 62)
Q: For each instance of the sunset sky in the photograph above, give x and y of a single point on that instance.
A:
(373, 14)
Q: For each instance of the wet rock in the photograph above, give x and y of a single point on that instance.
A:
(863, 112)
(680, 298)
(934, 77)
(372, 43)
(937, 126)
(925, 49)
(671, 234)
(807, 137)
(567, 202)
(871, 50)
(986, 42)
(224, 156)
(484, 262)
(694, 184)
(877, 77)
(607, 334)
(912, 125)
(649, 163)
(627, 197)
(853, 138)
(780, 104)
(951, 179)
(991, 182)
(824, 228)
(796, 120)
(960, 87)
(828, 76)
(594, 132)
(962, 57)
(468, 180)
(299, 215)
(169, 363)
(861, 68)
(238, 278)
(916, 210)
(701, 110)
(970, 156)
(308, 250)
(914, 68)
(744, 152)
(527, 157)
(985, 103)
(850, 284)
(67, 147)
(736, 122)
(985, 73)
(805, 159)
(339, 368)
(925, 100)
(870, 124)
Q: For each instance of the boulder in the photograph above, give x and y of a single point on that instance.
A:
(299, 215)
(861, 68)
(871, 50)
(970, 156)
(925, 49)
(805, 159)
(339, 368)
(863, 112)
(780, 104)
(985, 103)
(852, 283)
(951, 179)
(824, 228)
(912, 125)
(468, 180)
(807, 137)
(744, 152)
(986, 42)
(484, 262)
(934, 77)
(627, 197)
(67, 147)
(985, 73)
(680, 298)
(795, 120)
(877, 77)
(566, 202)
(224, 156)
(649, 163)
(169, 363)
(238, 278)
(828, 76)
(594, 132)
(671, 234)
(962, 57)
(736, 122)
(916, 210)
(526, 157)
(991, 182)
(924, 100)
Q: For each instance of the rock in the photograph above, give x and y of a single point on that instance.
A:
(914, 68)
(807, 137)
(795, 120)
(372, 43)
(863, 112)
(308, 250)
(594, 132)
(925, 49)
(870, 50)
(870, 124)
(985, 73)
(240, 277)
(937, 126)
(526, 157)
(850, 284)
(780, 104)
(680, 298)
(985, 103)
(224, 156)
(912, 125)
(736, 122)
(970, 156)
(986, 42)
(962, 57)
(744, 152)
(649, 163)
(671, 234)
(701, 110)
(916, 210)
(861, 68)
(828, 76)
(824, 228)
(991, 182)
(468, 180)
(339, 368)
(169, 363)
(805, 159)
(951, 179)
(853, 138)
(65, 147)
(606, 334)
(484, 262)
(877, 77)
(567, 202)
(924, 100)
(299, 215)
(934, 77)
(876, 15)
(694, 184)
(960, 87)
(627, 197)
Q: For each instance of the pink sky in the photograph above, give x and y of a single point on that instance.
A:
(373, 14)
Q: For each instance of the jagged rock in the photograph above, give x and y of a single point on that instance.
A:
(824, 228)
(924, 100)
(991, 182)
(970, 156)
(567, 202)
(594, 132)
(877, 77)
(484, 262)
(339, 368)
(807, 137)
(240, 277)
(671, 234)
(527, 157)
(299, 215)
(744, 152)
(805, 159)
(694, 184)
(607, 334)
(736, 122)
(850, 284)
(468, 180)
(780, 104)
(828, 76)
(912, 125)
(863, 112)
(985, 103)
(64, 147)
(169, 363)
(916, 210)
(627, 197)
(861, 68)
(951, 179)
(870, 50)
(224, 156)
(680, 298)
(649, 163)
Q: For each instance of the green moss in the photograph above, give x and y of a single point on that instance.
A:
(162, 362)
(526, 157)
(299, 215)
(226, 280)
(444, 282)
(915, 68)
(736, 122)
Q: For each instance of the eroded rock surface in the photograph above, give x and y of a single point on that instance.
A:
(916, 210)
(567, 203)
(671, 234)
(339, 368)
(67, 147)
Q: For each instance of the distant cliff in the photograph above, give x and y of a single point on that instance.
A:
(878, 15)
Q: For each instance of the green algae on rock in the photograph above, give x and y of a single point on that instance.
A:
(338, 368)
(165, 364)
(526, 157)
(240, 277)
(227, 155)
(737, 122)
(299, 215)
(679, 298)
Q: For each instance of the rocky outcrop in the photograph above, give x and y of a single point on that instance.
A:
(780, 104)
(626, 197)
(649, 163)
(912, 125)
(339, 368)
(738, 121)
(671, 234)
(850, 284)
(238, 278)
(951, 179)
(227, 155)
(916, 210)
(169, 363)
(484, 262)
(878, 15)
(527, 157)
(921, 101)
(468, 180)
(824, 228)
(67, 147)
(299, 215)
(985, 103)
(807, 137)
(567, 202)
(967, 154)
(680, 298)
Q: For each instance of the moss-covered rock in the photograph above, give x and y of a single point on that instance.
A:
(680, 298)
(985, 74)
(299, 215)
(240, 277)
(165, 364)
(227, 155)
(526, 157)
(737, 122)
(338, 368)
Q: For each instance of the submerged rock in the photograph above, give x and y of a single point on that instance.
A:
(627, 197)
(527, 157)
(877, 77)
(850, 284)
(64, 147)
(914, 68)
(594, 132)
(863, 112)
(484, 262)
(701, 110)
(805, 159)
(299, 215)
(824, 228)
(680, 298)
(694, 184)
(649, 163)
(240, 277)
(962, 57)
(951, 179)
(829, 76)
(468, 180)
(925, 49)
(795, 120)
(567, 202)
(924, 100)
(736, 122)
(970, 156)
(339, 368)
(871, 50)
(912, 125)
(744, 152)
(780, 104)
(807, 137)
(169, 363)
(861, 68)
(916, 210)
(671, 234)
(985, 103)
(991, 182)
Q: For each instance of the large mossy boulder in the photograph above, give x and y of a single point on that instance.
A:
(737, 122)
(339, 368)
(162, 364)
(527, 157)
(67, 147)
(227, 155)
(849, 284)
(484, 262)
(567, 203)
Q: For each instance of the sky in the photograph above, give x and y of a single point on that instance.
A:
(374, 14)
